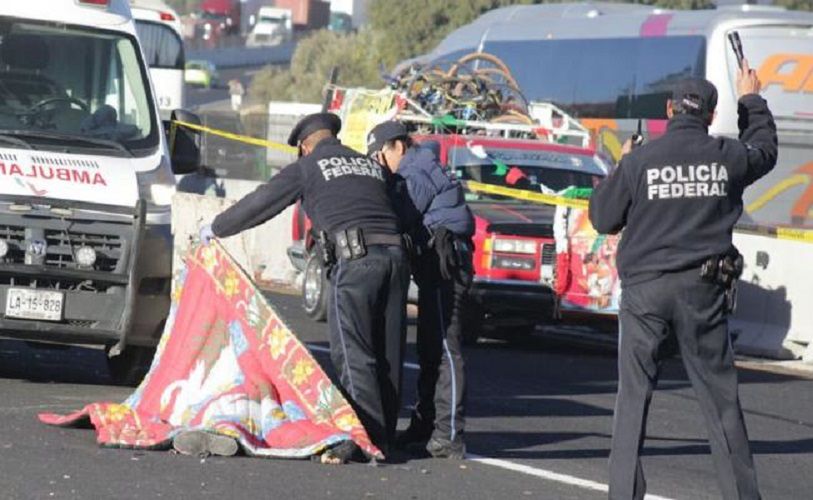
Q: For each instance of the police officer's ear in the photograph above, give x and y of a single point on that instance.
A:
(670, 110)
(712, 117)
(305, 149)
(402, 146)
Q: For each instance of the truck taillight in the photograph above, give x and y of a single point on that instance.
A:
(298, 227)
(167, 16)
(488, 244)
(94, 3)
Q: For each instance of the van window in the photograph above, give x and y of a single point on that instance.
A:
(603, 77)
(275, 19)
(102, 94)
(162, 47)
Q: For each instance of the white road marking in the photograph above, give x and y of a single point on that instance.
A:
(518, 397)
(549, 475)
(578, 482)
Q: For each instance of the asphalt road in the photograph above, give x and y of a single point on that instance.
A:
(540, 418)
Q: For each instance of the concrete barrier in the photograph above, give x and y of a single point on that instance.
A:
(243, 57)
(261, 251)
(282, 117)
(774, 316)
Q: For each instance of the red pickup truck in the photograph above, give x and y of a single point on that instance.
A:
(515, 253)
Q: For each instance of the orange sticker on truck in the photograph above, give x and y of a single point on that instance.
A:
(793, 72)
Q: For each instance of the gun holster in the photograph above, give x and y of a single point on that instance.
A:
(465, 252)
(350, 244)
(724, 270)
(409, 245)
(326, 249)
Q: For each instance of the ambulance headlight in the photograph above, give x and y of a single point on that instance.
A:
(86, 257)
(3, 248)
(157, 187)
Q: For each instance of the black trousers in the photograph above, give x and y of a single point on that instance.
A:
(367, 325)
(442, 378)
(683, 305)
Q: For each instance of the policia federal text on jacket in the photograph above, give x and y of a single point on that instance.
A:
(346, 196)
(677, 199)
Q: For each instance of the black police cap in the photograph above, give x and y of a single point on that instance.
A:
(312, 123)
(384, 132)
(695, 96)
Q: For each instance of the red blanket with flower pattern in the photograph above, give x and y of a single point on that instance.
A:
(228, 364)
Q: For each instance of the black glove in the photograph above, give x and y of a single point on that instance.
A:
(443, 243)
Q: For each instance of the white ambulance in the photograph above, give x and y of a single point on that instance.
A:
(86, 182)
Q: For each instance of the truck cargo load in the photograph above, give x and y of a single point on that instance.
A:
(307, 14)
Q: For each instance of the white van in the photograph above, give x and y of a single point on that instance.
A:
(85, 181)
(159, 31)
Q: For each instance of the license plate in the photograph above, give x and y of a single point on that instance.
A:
(34, 304)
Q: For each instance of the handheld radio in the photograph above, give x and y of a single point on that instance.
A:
(736, 45)
(638, 137)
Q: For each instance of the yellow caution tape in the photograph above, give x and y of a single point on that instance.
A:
(782, 233)
(519, 194)
(789, 233)
(237, 137)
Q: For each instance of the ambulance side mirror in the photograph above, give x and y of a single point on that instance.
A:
(184, 142)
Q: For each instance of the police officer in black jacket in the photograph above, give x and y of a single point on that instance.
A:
(441, 228)
(346, 196)
(677, 199)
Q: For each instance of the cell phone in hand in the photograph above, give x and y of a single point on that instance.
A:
(736, 45)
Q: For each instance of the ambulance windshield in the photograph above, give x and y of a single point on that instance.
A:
(73, 87)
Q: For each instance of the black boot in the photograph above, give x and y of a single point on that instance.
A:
(443, 448)
(418, 432)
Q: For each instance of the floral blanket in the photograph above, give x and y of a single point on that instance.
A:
(227, 363)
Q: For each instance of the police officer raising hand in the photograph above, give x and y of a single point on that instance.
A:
(346, 196)
(627, 147)
(677, 199)
(747, 80)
